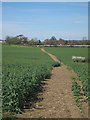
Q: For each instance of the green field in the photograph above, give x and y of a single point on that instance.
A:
(23, 70)
(65, 56)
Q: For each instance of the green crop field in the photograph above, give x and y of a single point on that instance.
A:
(23, 69)
(65, 56)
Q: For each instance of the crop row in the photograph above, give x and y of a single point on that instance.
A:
(65, 56)
(23, 70)
(20, 83)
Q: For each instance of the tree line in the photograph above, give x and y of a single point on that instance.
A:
(21, 39)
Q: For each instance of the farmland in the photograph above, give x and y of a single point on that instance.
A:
(23, 69)
(81, 69)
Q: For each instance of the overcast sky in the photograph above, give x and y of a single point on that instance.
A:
(67, 20)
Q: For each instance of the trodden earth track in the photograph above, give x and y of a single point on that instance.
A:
(57, 96)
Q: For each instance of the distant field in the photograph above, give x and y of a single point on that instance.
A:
(65, 56)
(23, 70)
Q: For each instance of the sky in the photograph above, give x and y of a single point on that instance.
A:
(42, 20)
(45, 0)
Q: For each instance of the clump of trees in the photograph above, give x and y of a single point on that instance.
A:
(51, 41)
(34, 41)
(78, 42)
(20, 39)
(54, 41)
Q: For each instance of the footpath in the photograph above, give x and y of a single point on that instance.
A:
(57, 96)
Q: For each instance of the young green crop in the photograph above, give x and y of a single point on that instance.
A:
(65, 56)
(23, 69)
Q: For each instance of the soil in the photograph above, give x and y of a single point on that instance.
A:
(57, 97)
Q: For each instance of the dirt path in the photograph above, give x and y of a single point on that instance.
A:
(57, 97)
(52, 56)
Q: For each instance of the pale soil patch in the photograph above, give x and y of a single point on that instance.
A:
(57, 97)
